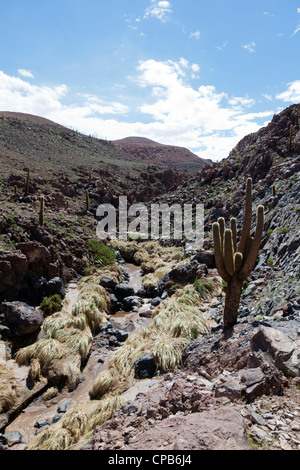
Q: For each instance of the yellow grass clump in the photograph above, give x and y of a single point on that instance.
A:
(69, 333)
(176, 322)
(78, 422)
(8, 388)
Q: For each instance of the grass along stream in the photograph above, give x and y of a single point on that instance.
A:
(40, 410)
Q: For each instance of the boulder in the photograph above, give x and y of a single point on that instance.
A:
(130, 302)
(35, 252)
(273, 346)
(54, 286)
(120, 335)
(122, 291)
(205, 257)
(216, 429)
(11, 438)
(108, 282)
(184, 274)
(145, 367)
(20, 318)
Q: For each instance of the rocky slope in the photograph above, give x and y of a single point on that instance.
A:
(235, 385)
(235, 390)
(154, 152)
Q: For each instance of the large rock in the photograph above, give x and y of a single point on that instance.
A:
(272, 345)
(184, 274)
(54, 286)
(13, 267)
(35, 252)
(130, 302)
(20, 318)
(145, 367)
(122, 291)
(218, 429)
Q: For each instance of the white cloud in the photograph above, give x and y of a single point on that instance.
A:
(159, 10)
(225, 44)
(250, 47)
(203, 119)
(291, 94)
(18, 95)
(25, 73)
(296, 30)
(267, 97)
(195, 35)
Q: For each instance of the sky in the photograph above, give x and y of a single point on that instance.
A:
(200, 74)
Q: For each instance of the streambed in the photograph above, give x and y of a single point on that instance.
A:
(42, 411)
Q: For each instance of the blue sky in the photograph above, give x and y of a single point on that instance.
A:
(196, 73)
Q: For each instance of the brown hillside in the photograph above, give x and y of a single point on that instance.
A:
(154, 152)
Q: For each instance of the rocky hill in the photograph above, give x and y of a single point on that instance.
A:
(64, 161)
(170, 378)
(154, 152)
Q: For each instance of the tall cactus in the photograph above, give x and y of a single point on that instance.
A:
(235, 262)
(87, 201)
(42, 211)
(26, 181)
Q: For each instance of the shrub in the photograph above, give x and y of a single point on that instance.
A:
(52, 304)
(101, 253)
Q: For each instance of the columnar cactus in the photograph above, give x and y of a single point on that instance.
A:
(42, 210)
(235, 262)
(26, 181)
(87, 201)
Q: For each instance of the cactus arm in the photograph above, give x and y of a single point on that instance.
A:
(233, 227)
(253, 253)
(247, 218)
(238, 261)
(219, 252)
(221, 222)
(228, 252)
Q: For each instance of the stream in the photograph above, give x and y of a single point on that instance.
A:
(39, 410)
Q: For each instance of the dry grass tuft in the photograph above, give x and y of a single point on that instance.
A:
(8, 388)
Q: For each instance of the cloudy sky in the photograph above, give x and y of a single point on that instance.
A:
(196, 73)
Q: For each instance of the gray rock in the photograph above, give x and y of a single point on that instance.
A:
(12, 438)
(122, 291)
(272, 345)
(63, 407)
(130, 302)
(108, 282)
(20, 318)
(120, 335)
(145, 367)
(55, 286)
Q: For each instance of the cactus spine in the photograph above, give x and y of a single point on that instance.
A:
(42, 211)
(235, 262)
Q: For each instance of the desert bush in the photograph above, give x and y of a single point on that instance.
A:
(52, 304)
(102, 254)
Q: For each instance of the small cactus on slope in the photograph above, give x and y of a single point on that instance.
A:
(235, 262)
(42, 210)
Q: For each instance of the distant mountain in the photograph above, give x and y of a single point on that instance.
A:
(27, 117)
(154, 152)
(60, 161)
